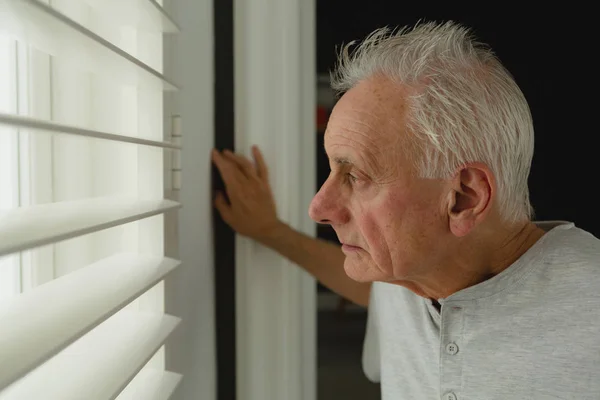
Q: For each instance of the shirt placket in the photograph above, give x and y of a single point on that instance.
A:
(451, 351)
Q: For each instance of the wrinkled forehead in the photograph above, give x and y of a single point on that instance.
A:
(368, 121)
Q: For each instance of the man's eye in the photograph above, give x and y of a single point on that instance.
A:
(351, 177)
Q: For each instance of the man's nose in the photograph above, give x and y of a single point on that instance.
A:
(326, 207)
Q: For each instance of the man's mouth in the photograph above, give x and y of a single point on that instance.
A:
(350, 248)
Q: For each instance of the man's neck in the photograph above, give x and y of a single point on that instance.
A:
(474, 263)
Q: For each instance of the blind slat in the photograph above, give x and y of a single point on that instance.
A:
(38, 324)
(151, 384)
(143, 14)
(71, 43)
(48, 126)
(99, 365)
(29, 227)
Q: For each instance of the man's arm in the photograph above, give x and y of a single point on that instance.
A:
(251, 212)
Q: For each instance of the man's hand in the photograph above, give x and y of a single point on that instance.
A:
(251, 208)
(251, 212)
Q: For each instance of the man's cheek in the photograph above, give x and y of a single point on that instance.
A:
(376, 244)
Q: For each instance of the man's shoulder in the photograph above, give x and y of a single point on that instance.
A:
(571, 262)
(571, 249)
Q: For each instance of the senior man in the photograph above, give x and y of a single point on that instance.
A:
(430, 148)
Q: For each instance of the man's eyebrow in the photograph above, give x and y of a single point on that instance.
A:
(342, 160)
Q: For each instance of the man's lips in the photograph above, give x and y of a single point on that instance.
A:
(349, 247)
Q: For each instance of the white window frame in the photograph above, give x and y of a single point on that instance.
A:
(189, 293)
(275, 108)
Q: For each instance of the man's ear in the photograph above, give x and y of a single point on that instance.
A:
(470, 198)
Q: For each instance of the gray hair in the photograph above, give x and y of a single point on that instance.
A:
(467, 106)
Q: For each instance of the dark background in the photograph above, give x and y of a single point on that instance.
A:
(552, 57)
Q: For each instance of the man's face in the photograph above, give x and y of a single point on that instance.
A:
(386, 217)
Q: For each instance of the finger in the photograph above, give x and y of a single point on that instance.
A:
(261, 165)
(242, 162)
(227, 168)
(229, 172)
(223, 207)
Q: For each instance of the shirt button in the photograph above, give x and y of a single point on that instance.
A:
(451, 348)
(450, 396)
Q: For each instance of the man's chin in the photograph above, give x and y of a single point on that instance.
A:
(362, 272)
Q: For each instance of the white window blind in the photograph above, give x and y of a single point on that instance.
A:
(83, 155)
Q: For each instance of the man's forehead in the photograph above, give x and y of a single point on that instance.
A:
(377, 92)
(364, 126)
(348, 147)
